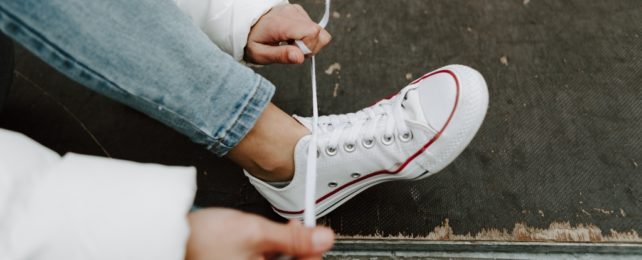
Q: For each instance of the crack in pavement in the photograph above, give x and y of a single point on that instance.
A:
(66, 109)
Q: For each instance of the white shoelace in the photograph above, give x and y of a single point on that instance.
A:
(353, 124)
(365, 126)
(309, 218)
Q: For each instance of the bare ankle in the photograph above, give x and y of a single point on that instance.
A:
(267, 151)
(273, 169)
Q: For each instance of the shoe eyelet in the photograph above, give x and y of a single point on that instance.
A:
(333, 184)
(405, 137)
(318, 153)
(349, 147)
(368, 143)
(331, 150)
(387, 139)
(355, 175)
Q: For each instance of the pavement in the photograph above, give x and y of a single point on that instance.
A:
(560, 148)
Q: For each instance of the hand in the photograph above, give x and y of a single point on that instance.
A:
(231, 234)
(284, 23)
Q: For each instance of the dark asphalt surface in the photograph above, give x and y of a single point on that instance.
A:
(561, 141)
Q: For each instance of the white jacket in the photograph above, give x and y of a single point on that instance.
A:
(227, 22)
(85, 207)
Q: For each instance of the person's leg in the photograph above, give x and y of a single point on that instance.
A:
(148, 55)
(268, 149)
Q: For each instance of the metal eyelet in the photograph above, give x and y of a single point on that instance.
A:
(387, 139)
(318, 153)
(333, 184)
(355, 175)
(331, 150)
(405, 137)
(368, 143)
(349, 147)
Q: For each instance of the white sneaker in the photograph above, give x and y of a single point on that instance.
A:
(409, 136)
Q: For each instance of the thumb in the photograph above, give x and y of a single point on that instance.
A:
(296, 240)
(266, 54)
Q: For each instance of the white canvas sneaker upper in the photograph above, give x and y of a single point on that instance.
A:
(411, 135)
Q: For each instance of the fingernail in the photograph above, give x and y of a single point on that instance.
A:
(322, 239)
(292, 56)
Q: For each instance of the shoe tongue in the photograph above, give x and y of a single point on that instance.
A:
(412, 107)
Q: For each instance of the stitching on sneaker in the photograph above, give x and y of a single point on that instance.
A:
(409, 159)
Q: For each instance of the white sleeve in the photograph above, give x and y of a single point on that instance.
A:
(227, 22)
(85, 207)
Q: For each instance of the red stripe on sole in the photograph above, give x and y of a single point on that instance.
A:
(410, 159)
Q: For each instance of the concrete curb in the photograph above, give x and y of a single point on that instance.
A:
(414, 249)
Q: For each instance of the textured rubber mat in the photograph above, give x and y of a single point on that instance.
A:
(561, 141)
(560, 148)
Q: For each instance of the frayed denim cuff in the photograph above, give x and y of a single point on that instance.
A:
(250, 113)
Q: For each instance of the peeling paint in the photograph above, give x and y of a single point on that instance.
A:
(603, 211)
(332, 68)
(503, 60)
(586, 212)
(556, 231)
(335, 91)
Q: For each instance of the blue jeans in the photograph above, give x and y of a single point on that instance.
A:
(147, 55)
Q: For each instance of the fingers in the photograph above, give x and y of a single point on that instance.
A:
(317, 42)
(317, 257)
(296, 240)
(299, 9)
(285, 23)
(313, 35)
(266, 54)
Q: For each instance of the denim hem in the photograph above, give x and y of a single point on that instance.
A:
(215, 104)
(243, 123)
